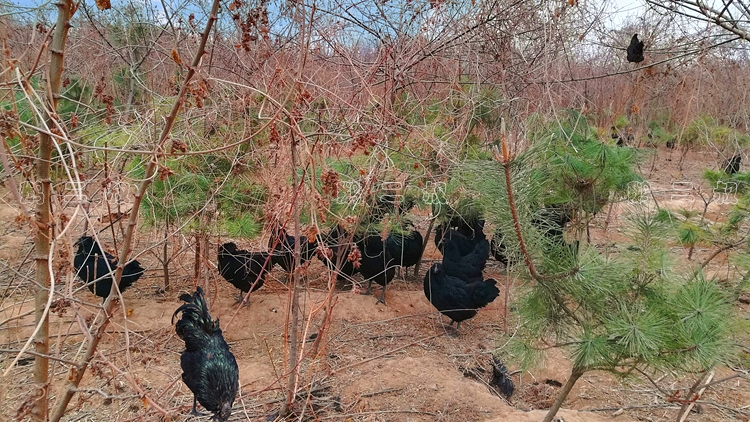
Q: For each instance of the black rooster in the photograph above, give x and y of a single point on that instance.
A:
(376, 263)
(635, 50)
(208, 367)
(96, 268)
(245, 270)
(282, 245)
(455, 298)
(406, 249)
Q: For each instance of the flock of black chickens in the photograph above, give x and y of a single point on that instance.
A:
(455, 286)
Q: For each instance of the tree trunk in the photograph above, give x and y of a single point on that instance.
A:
(165, 258)
(574, 375)
(424, 246)
(293, 312)
(42, 239)
(197, 262)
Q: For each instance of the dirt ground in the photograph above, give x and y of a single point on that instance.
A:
(394, 362)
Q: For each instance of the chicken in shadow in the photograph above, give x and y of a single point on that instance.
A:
(376, 263)
(465, 258)
(338, 244)
(406, 249)
(282, 246)
(455, 298)
(732, 165)
(473, 230)
(208, 366)
(244, 270)
(97, 268)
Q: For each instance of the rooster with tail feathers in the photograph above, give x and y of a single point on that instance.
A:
(208, 367)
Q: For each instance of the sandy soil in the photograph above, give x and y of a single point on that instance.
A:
(394, 362)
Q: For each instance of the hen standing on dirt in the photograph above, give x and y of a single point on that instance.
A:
(244, 270)
(376, 263)
(208, 367)
(455, 298)
(282, 246)
(96, 268)
(406, 249)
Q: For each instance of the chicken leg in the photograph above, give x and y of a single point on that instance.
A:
(195, 411)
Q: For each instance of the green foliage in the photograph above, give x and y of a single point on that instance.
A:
(578, 167)
(374, 203)
(725, 183)
(705, 130)
(201, 189)
(631, 309)
(621, 122)
(684, 225)
(660, 135)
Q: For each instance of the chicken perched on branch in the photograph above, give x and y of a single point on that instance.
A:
(635, 50)
(208, 367)
(96, 268)
(244, 270)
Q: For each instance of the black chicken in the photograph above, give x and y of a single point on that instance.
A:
(245, 270)
(501, 378)
(732, 165)
(376, 263)
(465, 266)
(471, 230)
(635, 50)
(339, 242)
(208, 367)
(406, 249)
(455, 298)
(282, 245)
(96, 268)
